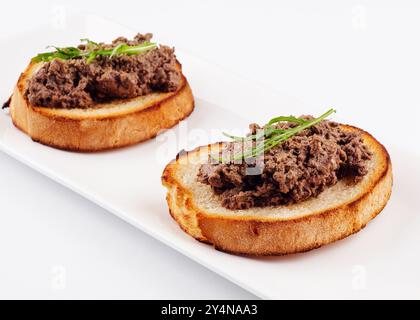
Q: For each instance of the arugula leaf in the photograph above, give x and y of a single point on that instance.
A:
(271, 137)
(93, 50)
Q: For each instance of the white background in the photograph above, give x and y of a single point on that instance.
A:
(341, 54)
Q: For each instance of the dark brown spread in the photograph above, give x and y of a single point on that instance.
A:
(7, 103)
(296, 170)
(75, 83)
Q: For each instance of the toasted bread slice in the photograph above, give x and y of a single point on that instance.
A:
(106, 125)
(336, 213)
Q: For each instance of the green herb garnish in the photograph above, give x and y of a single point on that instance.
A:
(270, 136)
(93, 50)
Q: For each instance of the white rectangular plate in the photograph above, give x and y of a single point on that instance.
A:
(380, 262)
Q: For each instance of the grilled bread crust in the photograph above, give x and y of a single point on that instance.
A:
(337, 213)
(105, 126)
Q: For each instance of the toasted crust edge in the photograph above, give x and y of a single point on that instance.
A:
(101, 133)
(252, 236)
